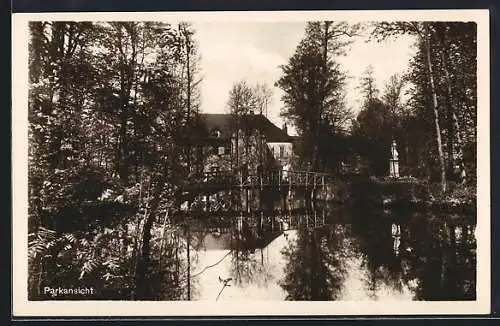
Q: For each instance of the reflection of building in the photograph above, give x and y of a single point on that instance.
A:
(250, 143)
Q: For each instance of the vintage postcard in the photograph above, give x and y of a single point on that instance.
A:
(251, 163)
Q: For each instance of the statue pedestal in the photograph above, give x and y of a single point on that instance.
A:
(394, 169)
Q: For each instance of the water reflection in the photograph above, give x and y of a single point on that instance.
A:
(337, 253)
(238, 266)
(424, 256)
(396, 238)
(315, 268)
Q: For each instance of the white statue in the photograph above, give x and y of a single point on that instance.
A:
(394, 162)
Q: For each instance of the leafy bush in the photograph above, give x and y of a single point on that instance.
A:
(99, 260)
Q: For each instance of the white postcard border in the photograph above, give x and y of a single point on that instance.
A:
(23, 307)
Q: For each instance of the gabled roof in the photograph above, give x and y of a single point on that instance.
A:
(213, 121)
(225, 122)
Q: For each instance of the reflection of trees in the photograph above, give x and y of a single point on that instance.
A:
(244, 266)
(247, 264)
(171, 264)
(443, 258)
(314, 270)
(167, 263)
(376, 242)
(171, 270)
(436, 257)
(465, 264)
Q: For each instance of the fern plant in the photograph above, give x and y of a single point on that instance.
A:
(78, 259)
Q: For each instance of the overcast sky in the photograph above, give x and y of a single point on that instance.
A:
(253, 52)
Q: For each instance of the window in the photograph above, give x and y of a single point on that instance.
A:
(216, 133)
(221, 150)
(282, 150)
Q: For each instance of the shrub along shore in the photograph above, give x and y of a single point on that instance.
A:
(406, 193)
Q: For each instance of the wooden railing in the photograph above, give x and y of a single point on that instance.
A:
(273, 178)
(279, 221)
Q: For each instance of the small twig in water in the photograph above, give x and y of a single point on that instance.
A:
(210, 266)
(225, 281)
(213, 265)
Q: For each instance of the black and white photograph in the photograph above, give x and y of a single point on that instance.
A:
(335, 157)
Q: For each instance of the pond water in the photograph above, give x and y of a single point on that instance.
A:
(351, 252)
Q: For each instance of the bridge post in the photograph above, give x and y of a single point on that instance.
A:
(260, 196)
(283, 196)
(239, 225)
(261, 222)
(247, 199)
(207, 203)
(240, 204)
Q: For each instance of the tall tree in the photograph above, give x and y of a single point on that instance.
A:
(399, 114)
(378, 122)
(450, 47)
(393, 92)
(263, 94)
(313, 82)
(187, 50)
(368, 85)
(423, 32)
(455, 43)
(243, 100)
(107, 109)
(373, 132)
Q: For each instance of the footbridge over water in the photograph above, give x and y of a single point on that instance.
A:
(221, 180)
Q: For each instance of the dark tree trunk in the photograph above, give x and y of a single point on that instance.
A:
(188, 72)
(123, 148)
(314, 268)
(36, 29)
(143, 288)
(435, 104)
(454, 126)
(188, 265)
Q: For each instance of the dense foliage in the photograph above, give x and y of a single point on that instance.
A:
(436, 127)
(108, 103)
(313, 85)
(429, 110)
(111, 113)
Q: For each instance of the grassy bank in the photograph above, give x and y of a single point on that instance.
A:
(414, 194)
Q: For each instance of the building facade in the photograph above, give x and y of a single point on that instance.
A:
(249, 144)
